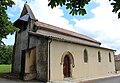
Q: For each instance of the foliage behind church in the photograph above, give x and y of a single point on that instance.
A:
(6, 54)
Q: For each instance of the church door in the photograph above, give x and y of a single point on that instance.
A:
(66, 66)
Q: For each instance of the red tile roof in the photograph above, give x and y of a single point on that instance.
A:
(117, 57)
(64, 31)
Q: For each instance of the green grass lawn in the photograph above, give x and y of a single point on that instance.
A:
(5, 68)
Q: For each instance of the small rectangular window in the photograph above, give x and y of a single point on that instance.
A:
(85, 56)
(99, 56)
(110, 57)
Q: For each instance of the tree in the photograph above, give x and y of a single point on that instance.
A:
(116, 7)
(6, 26)
(77, 7)
(6, 54)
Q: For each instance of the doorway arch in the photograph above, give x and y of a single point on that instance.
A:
(67, 61)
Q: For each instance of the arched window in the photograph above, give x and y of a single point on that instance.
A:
(85, 56)
(110, 57)
(99, 56)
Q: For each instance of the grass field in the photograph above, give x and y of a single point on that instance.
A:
(5, 68)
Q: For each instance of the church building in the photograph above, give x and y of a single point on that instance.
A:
(49, 53)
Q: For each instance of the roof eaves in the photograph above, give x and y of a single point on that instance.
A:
(38, 34)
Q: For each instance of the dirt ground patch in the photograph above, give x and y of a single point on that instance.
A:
(10, 77)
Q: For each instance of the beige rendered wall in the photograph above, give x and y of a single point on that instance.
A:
(81, 70)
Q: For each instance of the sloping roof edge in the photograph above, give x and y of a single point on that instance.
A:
(64, 31)
(28, 11)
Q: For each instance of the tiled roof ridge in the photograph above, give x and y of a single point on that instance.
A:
(48, 26)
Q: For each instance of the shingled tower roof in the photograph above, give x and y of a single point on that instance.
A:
(25, 16)
(27, 12)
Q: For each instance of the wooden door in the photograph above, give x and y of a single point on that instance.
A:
(66, 66)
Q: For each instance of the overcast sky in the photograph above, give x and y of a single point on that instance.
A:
(99, 22)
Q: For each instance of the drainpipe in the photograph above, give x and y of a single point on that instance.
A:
(49, 42)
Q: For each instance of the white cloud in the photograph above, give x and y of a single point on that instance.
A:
(104, 26)
(105, 23)
(51, 16)
(10, 39)
(18, 4)
(43, 13)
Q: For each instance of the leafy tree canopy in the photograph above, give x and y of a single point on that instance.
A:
(6, 54)
(6, 26)
(77, 7)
